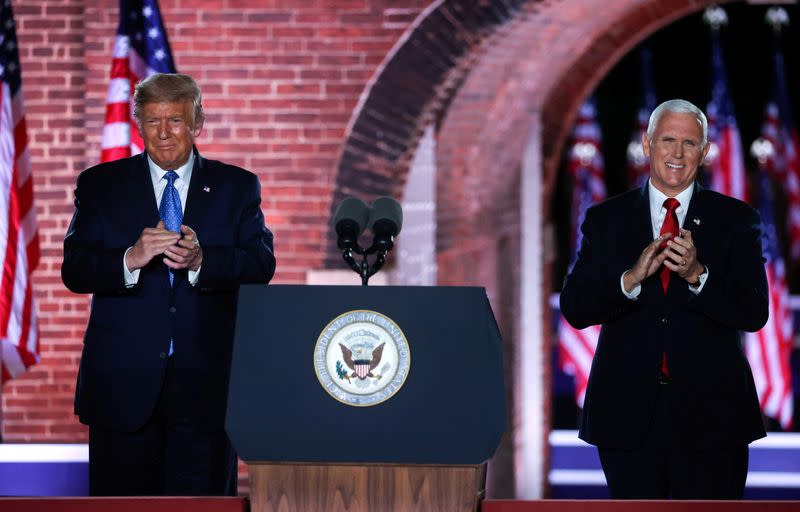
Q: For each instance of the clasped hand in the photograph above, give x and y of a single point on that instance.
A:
(179, 252)
(678, 254)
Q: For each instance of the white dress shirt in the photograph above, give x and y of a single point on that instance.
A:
(181, 184)
(657, 215)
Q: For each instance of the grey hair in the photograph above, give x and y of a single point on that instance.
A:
(680, 107)
(168, 87)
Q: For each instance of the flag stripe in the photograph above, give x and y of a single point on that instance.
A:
(19, 248)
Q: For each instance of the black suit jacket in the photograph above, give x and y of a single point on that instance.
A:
(129, 330)
(713, 397)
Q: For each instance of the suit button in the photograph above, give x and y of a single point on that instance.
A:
(163, 355)
(172, 309)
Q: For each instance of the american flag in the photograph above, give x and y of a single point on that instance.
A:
(769, 350)
(784, 163)
(577, 347)
(19, 238)
(638, 164)
(726, 157)
(141, 48)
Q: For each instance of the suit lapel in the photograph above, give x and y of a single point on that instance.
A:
(142, 195)
(197, 197)
(643, 229)
(694, 215)
(196, 201)
(694, 223)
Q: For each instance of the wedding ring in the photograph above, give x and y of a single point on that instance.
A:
(684, 262)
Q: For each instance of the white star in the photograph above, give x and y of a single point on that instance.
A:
(2, 70)
(147, 11)
(152, 33)
(160, 54)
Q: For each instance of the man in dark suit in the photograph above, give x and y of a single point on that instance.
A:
(671, 403)
(163, 240)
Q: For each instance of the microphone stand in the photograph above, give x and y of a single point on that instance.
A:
(379, 247)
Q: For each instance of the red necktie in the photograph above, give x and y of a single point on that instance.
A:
(670, 225)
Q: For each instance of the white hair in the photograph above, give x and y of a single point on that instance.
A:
(681, 107)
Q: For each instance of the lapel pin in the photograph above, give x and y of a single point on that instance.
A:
(208, 189)
(696, 221)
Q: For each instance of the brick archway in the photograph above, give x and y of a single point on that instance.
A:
(500, 74)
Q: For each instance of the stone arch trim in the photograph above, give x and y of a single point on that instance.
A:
(408, 91)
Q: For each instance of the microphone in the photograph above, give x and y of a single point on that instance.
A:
(385, 221)
(349, 221)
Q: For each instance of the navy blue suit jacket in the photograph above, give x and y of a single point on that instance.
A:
(712, 395)
(129, 329)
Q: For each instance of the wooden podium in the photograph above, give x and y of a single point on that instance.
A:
(365, 487)
(308, 448)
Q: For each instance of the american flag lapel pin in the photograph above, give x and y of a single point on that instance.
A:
(696, 221)
(206, 188)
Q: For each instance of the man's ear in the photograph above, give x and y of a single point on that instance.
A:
(198, 128)
(645, 145)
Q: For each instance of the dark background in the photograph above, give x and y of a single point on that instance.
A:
(681, 65)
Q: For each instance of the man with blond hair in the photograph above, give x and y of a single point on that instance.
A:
(162, 240)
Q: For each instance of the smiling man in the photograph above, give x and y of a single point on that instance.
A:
(162, 240)
(673, 273)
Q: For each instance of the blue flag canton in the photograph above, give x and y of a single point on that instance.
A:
(9, 52)
(781, 89)
(769, 232)
(720, 107)
(143, 25)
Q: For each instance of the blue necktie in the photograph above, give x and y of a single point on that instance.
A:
(172, 215)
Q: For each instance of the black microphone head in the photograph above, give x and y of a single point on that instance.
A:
(351, 217)
(385, 217)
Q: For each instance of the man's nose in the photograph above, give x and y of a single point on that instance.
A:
(163, 132)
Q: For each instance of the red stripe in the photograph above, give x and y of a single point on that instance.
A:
(20, 137)
(118, 112)
(110, 154)
(28, 358)
(25, 197)
(5, 374)
(34, 252)
(119, 68)
(10, 266)
(725, 163)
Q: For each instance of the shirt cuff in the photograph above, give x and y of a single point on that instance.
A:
(131, 277)
(633, 294)
(702, 278)
(194, 275)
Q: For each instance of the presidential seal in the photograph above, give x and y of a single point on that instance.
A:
(362, 358)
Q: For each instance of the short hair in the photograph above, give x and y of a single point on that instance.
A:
(168, 87)
(681, 107)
